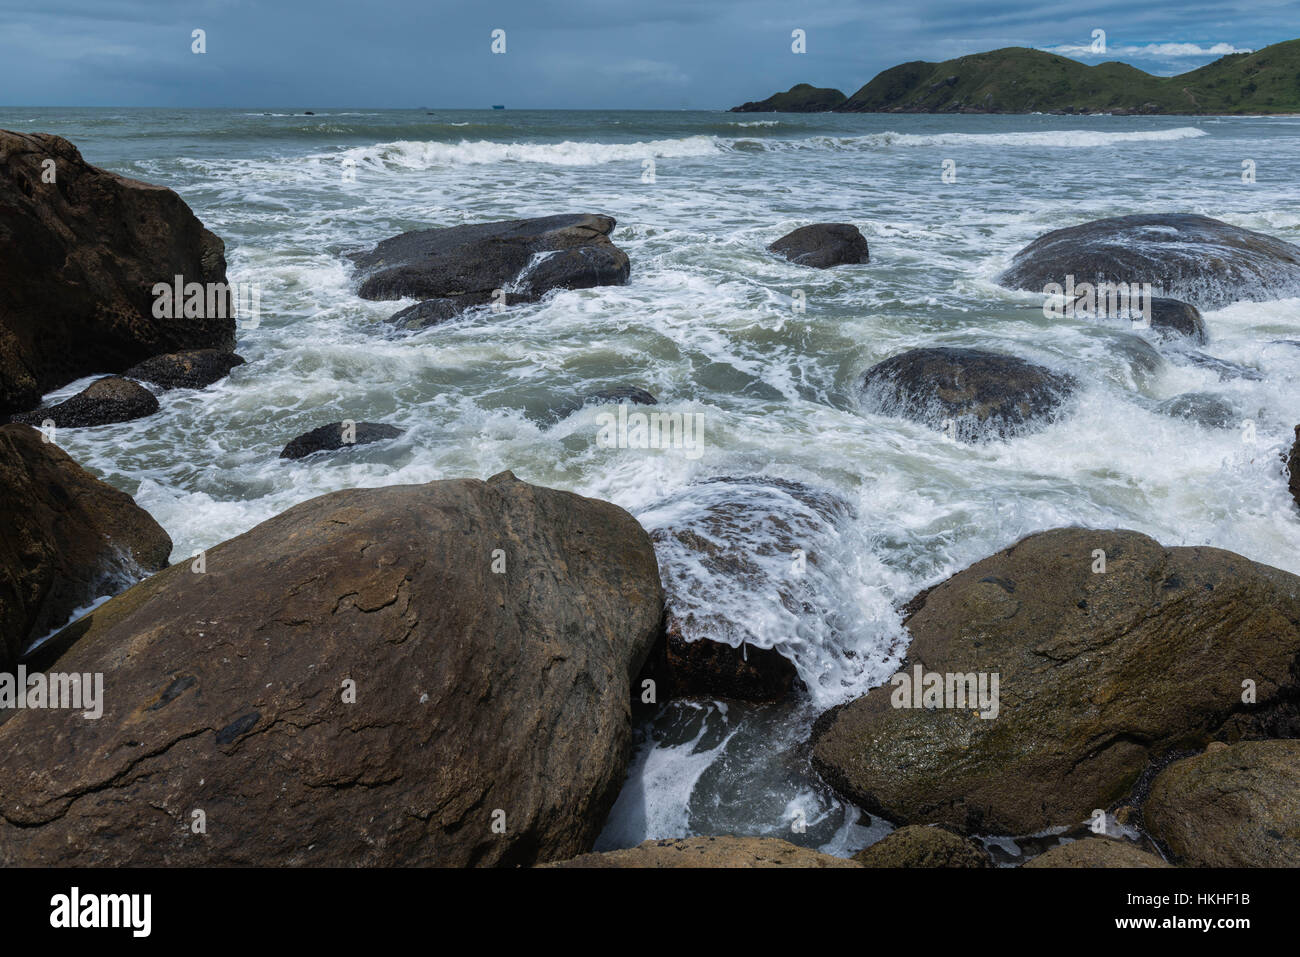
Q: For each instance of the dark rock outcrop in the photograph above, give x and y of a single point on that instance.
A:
(970, 394)
(79, 258)
(800, 98)
(823, 245)
(1096, 852)
(921, 846)
(1194, 259)
(338, 435)
(1099, 674)
(185, 370)
(1293, 467)
(462, 266)
(103, 402)
(352, 684)
(1236, 806)
(710, 852)
(69, 539)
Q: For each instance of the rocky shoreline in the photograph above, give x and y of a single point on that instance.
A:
(447, 674)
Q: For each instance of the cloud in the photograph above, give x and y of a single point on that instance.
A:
(1154, 50)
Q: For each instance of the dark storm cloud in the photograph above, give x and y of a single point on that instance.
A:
(576, 53)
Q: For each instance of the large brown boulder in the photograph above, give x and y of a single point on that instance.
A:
(1193, 258)
(457, 267)
(1099, 673)
(1096, 852)
(79, 258)
(68, 540)
(710, 852)
(919, 846)
(1236, 806)
(351, 683)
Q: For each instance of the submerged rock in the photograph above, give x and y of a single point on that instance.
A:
(1096, 852)
(462, 266)
(1235, 806)
(103, 402)
(921, 846)
(1203, 408)
(1192, 258)
(414, 675)
(823, 245)
(710, 852)
(185, 370)
(752, 588)
(338, 435)
(970, 394)
(79, 258)
(69, 539)
(615, 395)
(1099, 673)
(1169, 319)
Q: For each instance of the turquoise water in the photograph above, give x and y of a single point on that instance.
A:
(707, 325)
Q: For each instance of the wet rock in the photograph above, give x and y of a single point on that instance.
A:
(1169, 319)
(823, 245)
(711, 852)
(465, 264)
(971, 394)
(746, 569)
(194, 369)
(69, 539)
(103, 402)
(1203, 408)
(920, 846)
(1097, 852)
(351, 683)
(1237, 806)
(615, 395)
(1099, 673)
(338, 435)
(1191, 258)
(1223, 368)
(1293, 467)
(79, 258)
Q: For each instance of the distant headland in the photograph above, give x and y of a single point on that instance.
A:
(1021, 80)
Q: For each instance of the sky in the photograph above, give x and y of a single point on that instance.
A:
(564, 54)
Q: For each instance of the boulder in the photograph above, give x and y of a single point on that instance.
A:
(194, 369)
(1192, 258)
(1099, 672)
(1203, 408)
(1293, 467)
(103, 402)
(921, 846)
(1169, 319)
(823, 245)
(1236, 806)
(1096, 852)
(741, 605)
(69, 539)
(969, 394)
(710, 852)
(464, 265)
(79, 258)
(338, 435)
(352, 684)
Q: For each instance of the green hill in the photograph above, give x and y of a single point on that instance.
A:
(1021, 80)
(800, 98)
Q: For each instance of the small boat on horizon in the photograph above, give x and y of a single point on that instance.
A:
(498, 107)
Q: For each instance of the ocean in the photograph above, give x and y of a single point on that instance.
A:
(710, 325)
